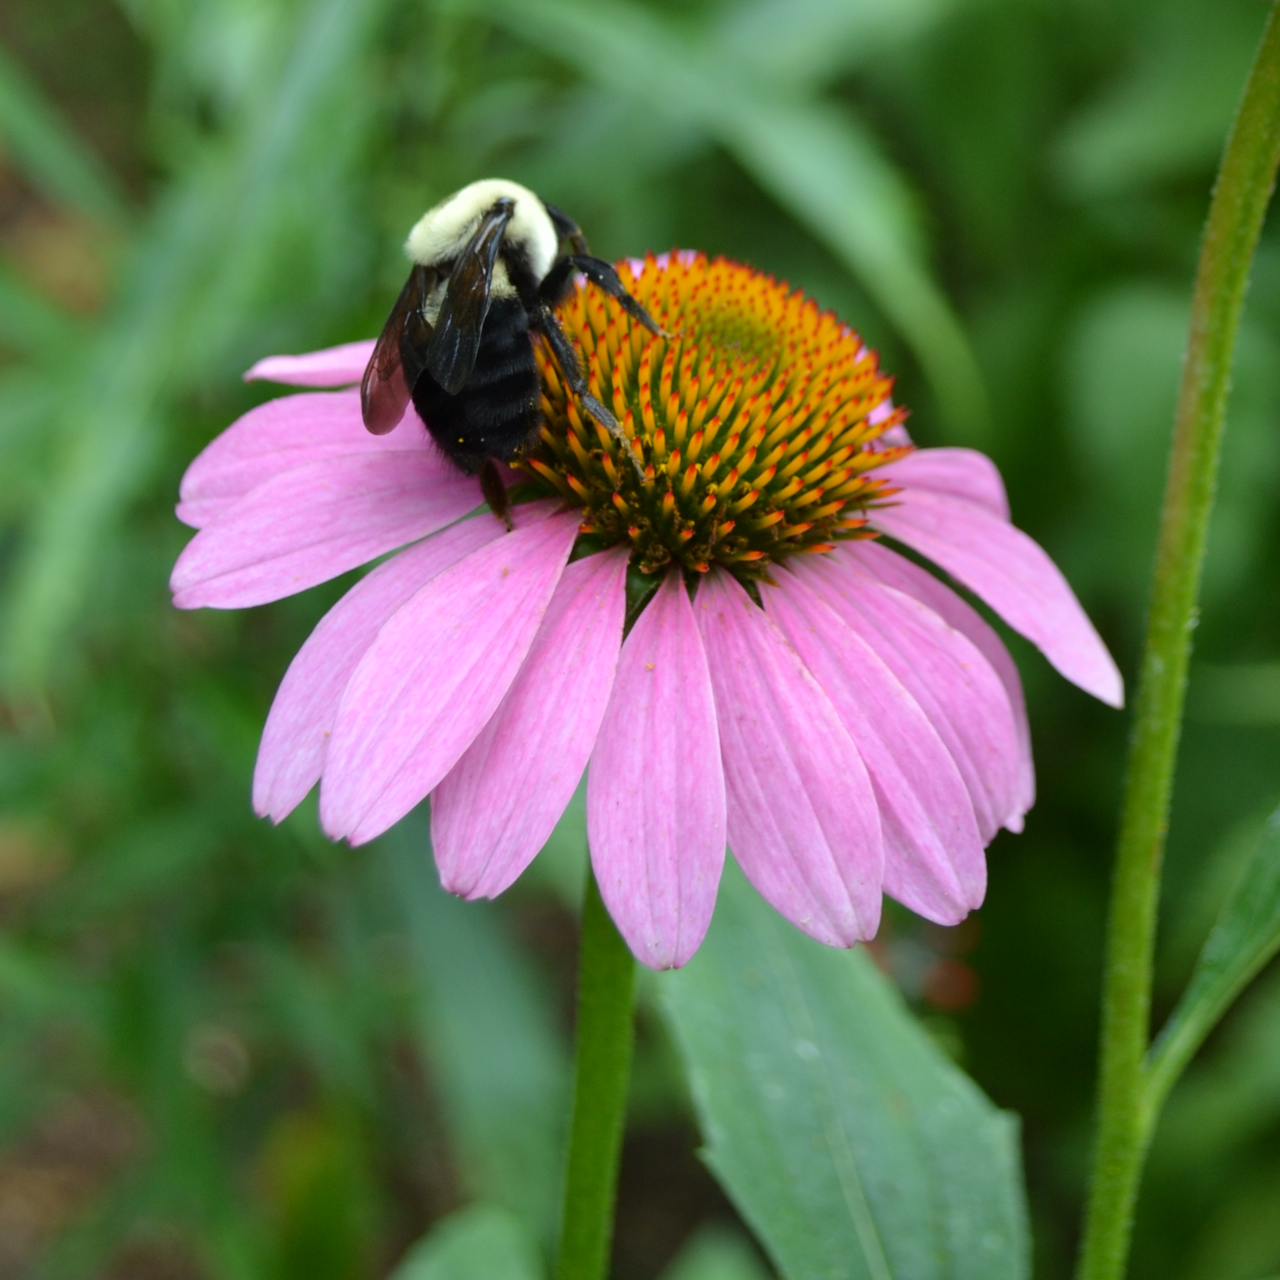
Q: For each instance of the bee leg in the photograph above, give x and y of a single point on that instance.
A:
(566, 359)
(567, 229)
(603, 276)
(495, 492)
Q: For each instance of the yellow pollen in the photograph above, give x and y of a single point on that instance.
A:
(749, 425)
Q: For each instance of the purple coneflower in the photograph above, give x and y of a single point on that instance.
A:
(788, 684)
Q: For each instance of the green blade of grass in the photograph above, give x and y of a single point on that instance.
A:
(1245, 936)
(49, 151)
(814, 158)
(190, 287)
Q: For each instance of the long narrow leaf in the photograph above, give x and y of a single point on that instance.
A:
(30, 322)
(807, 41)
(191, 283)
(1245, 937)
(814, 158)
(49, 151)
(488, 1032)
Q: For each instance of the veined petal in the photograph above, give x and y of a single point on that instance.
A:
(897, 571)
(933, 858)
(331, 367)
(434, 675)
(497, 806)
(291, 754)
(280, 435)
(802, 818)
(315, 522)
(965, 474)
(655, 792)
(1013, 575)
(942, 670)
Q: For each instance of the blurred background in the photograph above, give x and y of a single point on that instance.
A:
(233, 1051)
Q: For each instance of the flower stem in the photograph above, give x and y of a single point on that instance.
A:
(606, 1032)
(1127, 1112)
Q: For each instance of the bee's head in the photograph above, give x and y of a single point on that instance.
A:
(442, 233)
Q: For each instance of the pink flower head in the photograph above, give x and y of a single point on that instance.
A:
(788, 684)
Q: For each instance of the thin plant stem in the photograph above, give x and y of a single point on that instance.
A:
(605, 1033)
(1126, 1114)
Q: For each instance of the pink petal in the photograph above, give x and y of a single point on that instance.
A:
(894, 436)
(942, 670)
(497, 806)
(934, 862)
(315, 522)
(332, 367)
(291, 754)
(655, 793)
(802, 818)
(282, 434)
(435, 674)
(897, 571)
(1013, 575)
(958, 473)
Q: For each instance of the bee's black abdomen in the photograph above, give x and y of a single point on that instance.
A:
(499, 409)
(503, 394)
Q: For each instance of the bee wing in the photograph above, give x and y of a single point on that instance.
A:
(456, 341)
(387, 385)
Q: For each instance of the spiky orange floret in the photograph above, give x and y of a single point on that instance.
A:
(749, 424)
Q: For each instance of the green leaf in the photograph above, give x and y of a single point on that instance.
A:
(489, 1032)
(807, 41)
(716, 1254)
(1235, 693)
(29, 399)
(851, 1146)
(479, 1243)
(1227, 1103)
(1130, 336)
(29, 322)
(1168, 115)
(820, 163)
(49, 152)
(210, 245)
(815, 158)
(1245, 937)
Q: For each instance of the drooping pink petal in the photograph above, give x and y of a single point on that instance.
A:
(315, 522)
(897, 571)
(943, 671)
(282, 434)
(291, 754)
(332, 367)
(1013, 575)
(497, 806)
(434, 675)
(933, 859)
(802, 819)
(655, 792)
(965, 474)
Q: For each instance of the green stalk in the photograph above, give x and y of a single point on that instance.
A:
(606, 1032)
(1126, 1111)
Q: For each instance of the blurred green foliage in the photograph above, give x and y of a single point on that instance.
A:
(228, 1050)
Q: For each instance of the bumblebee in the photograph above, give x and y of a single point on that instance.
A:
(488, 273)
